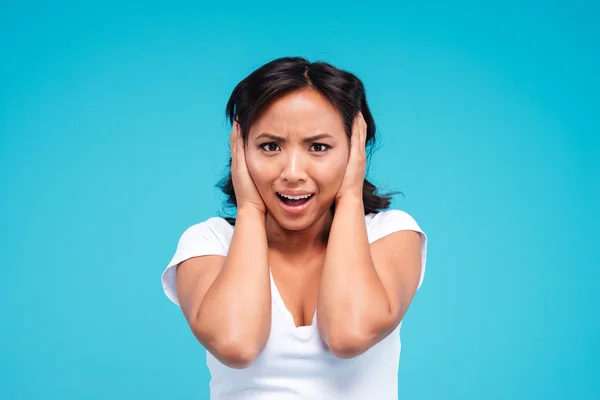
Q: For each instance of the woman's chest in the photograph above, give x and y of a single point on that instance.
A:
(295, 287)
(294, 349)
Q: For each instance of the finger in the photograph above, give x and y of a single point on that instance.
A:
(353, 133)
(358, 134)
(240, 144)
(363, 133)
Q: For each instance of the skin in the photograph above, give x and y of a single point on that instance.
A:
(280, 157)
(320, 262)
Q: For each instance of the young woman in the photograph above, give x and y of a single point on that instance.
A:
(303, 294)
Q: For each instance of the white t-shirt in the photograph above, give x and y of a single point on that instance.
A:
(296, 363)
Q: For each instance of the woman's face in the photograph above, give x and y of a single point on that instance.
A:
(298, 147)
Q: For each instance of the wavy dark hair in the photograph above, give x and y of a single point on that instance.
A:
(284, 75)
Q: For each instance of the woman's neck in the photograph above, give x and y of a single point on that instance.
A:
(308, 240)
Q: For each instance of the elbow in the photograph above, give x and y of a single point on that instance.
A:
(351, 342)
(347, 345)
(236, 356)
(234, 352)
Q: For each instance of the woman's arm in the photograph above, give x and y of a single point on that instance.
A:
(227, 300)
(365, 289)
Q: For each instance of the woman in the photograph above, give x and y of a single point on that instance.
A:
(303, 299)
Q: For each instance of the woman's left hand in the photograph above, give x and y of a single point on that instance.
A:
(353, 181)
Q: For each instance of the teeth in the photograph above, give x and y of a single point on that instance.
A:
(306, 196)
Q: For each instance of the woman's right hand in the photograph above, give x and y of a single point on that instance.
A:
(246, 194)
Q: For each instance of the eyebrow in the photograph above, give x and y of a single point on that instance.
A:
(308, 139)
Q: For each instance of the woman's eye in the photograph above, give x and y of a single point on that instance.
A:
(269, 146)
(319, 147)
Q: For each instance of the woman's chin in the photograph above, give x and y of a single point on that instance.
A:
(296, 223)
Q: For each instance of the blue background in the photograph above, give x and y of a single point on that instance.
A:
(112, 136)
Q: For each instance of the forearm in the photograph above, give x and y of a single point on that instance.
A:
(237, 307)
(353, 304)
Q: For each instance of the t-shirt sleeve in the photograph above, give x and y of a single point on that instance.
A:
(203, 239)
(390, 221)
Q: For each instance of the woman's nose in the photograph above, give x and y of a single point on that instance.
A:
(294, 170)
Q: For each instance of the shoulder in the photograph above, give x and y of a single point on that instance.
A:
(209, 237)
(215, 225)
(214, 230)
(389, 221)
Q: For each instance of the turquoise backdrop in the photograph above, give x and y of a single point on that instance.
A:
(112, 136)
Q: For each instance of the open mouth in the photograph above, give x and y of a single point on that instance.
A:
(294, 201)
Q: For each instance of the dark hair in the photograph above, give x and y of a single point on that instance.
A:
(284, 75)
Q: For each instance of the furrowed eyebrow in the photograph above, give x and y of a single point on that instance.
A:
(318, 137)
(265, 135)
(314, 138)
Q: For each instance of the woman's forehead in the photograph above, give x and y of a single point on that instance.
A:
(305, 111)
